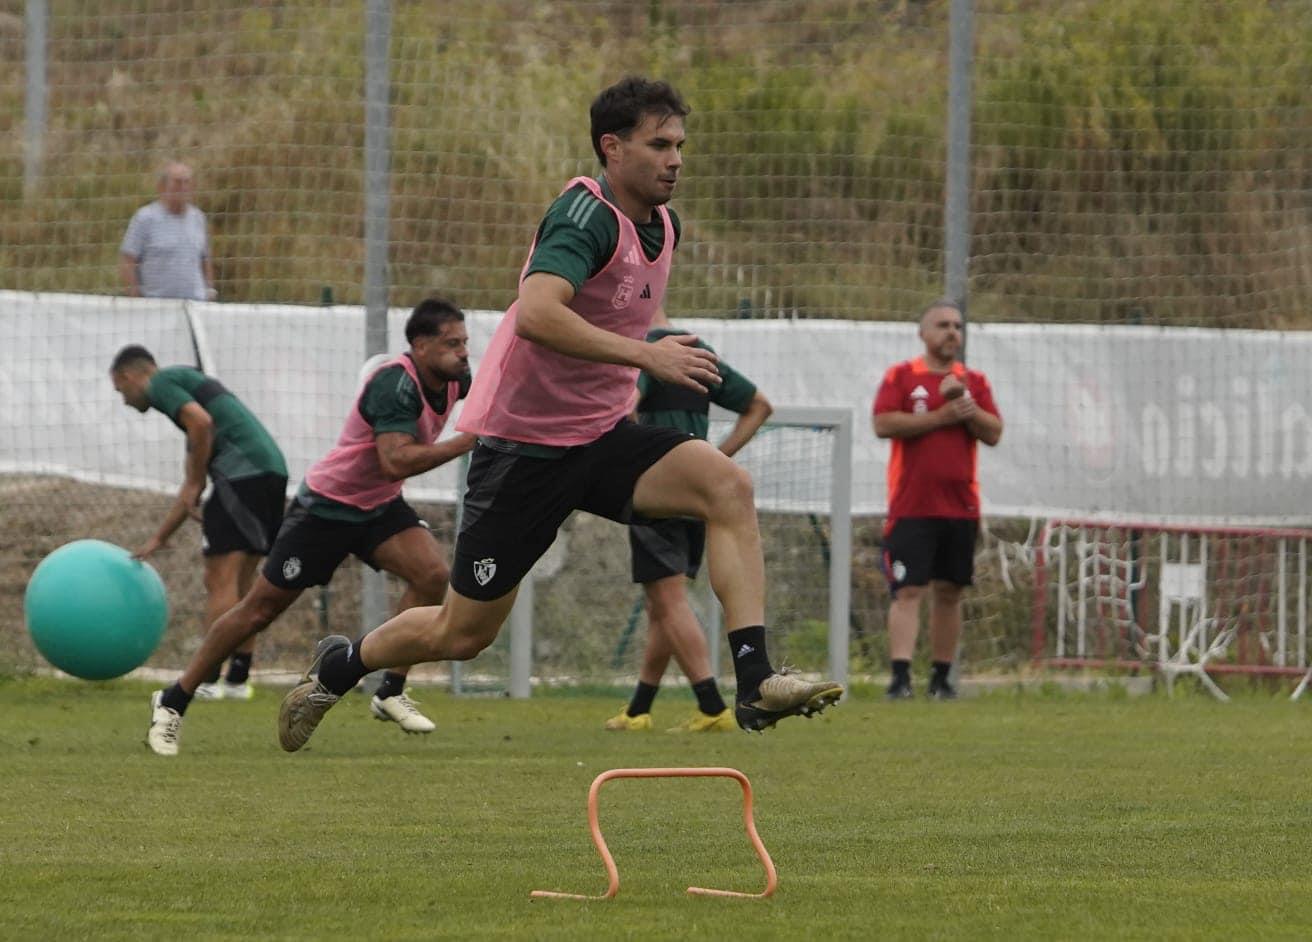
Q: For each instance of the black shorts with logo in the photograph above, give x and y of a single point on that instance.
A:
(514, 503)
(920, 549)
(310, 548)
(242, 516)
(665, 548)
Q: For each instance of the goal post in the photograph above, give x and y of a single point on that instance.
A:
(801, 467)
(1176, 599)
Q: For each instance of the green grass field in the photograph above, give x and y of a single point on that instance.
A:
(1013, 815)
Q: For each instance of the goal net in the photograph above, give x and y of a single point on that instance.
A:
(580, 619)
(1200, 601)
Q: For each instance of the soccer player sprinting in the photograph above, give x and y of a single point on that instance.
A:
(230, 447)
(550, 406)
(667, 553)
(350, 504)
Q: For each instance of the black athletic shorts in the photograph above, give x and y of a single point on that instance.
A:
(514, 503)
(242, 516)
(920, 549)
(309, 548)
(665, 548)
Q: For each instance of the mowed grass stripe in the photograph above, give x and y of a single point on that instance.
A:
(1012, 815)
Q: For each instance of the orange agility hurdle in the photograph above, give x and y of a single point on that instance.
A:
(613, 874)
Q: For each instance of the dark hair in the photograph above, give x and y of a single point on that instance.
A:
(621, 108)
(430, 316)
(133, 355)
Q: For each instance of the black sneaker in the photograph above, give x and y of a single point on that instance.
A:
(899, 690)
(941, 690)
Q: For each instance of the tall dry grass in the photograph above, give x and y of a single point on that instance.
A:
(1132, 161)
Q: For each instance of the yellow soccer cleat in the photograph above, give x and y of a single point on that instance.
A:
(623, 723)
(699, 722)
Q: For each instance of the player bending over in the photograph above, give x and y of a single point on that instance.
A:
(227, 444)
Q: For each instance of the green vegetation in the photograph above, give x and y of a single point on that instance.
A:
(1133, 162)
(1010, 816)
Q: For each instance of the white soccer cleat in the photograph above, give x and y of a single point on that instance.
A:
(212, 691)
(401, 710)
(165, 725)
(242, 691)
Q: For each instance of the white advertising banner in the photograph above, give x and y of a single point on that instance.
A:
(1139, 423)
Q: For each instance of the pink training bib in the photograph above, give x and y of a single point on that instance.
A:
(526, 392)
(351, 473)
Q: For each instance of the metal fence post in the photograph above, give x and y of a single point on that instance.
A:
(37, 22)
(377, 158)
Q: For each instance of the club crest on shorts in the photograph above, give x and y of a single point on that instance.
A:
(484, 570)
(291, 568)
(899, 571)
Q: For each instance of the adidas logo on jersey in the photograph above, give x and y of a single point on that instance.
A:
(631, 257)
(646, 292)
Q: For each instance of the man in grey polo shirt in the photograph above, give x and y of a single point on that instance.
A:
(166, 252)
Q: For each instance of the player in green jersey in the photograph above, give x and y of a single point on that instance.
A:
(230, 447)
(667, 553)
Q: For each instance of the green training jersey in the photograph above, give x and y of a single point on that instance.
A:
(686, 409)
(243, 447)
(389, 403)
(578, 235)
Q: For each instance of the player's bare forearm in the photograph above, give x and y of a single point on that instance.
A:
(405, 459)
(200, 446)
(178, 513)
(127, 273)
(545, 318)
(747, 425)
(986, 427)
(908, 424)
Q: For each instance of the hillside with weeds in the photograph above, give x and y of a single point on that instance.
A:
(1132, 162)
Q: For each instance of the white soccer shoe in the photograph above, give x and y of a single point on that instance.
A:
(212, 691)
(401, 710)
(165, 725)
(242, 691)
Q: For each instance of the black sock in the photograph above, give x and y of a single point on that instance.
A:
(643, 695)
(175, 698)
(393, 684)
(751, 665)
(941, 671)
(709, 700)
(342, 669)
(902, 671)
(215, 673)
(239, 667)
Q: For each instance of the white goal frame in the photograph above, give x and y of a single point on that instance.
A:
(839, 421)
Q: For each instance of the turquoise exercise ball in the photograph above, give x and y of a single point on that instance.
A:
(93, 611)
